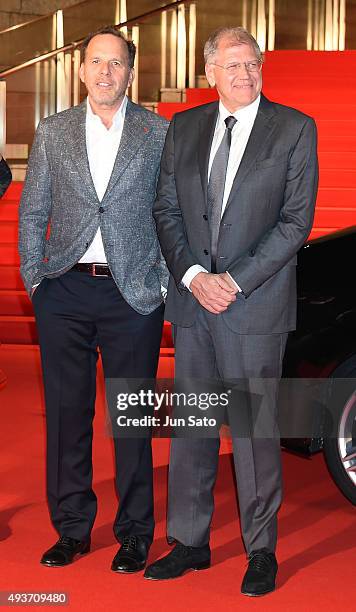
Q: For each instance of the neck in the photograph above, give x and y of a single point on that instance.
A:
(105, 112)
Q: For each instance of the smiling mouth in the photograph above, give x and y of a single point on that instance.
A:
(243, 85)
(103, 84)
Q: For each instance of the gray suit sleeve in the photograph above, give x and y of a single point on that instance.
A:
(168, 216)
(281, 242)
(34, 212)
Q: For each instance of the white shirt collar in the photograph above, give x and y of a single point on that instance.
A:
(118, 118)
(245, 114)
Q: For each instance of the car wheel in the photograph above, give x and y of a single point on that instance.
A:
(340, 443)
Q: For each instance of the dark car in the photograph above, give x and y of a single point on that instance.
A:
(321, 355)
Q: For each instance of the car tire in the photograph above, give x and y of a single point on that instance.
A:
(340, 439)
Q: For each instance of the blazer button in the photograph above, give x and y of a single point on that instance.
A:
(205, 217)
(206, 252)
(101, 209)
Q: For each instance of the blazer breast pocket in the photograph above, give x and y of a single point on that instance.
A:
(269, 162)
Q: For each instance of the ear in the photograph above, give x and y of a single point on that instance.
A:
(81, 72)
(131, 77)
(210, 74)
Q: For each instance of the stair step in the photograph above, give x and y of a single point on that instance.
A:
(337, 178)
(334, 160)
(18, 330)
(334, 64)
(338, 196)
(15, 302)
(10, 277)
(9, 210)
(9, 254)
(8, 232)
(334, 217)
(13, 192)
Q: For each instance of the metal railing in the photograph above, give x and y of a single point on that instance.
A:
(49, 83)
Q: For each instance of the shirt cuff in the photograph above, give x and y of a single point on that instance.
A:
(191, 273)
(235, 283)
(164, 292)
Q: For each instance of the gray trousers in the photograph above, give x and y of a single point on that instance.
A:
(209, 349)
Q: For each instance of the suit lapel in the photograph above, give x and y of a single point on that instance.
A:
(260, 134)
(206, 133)
(134, 134)
(75, 136)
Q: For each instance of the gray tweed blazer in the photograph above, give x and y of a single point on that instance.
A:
(59, 193)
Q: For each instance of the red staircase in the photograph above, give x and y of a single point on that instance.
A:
(322, 84)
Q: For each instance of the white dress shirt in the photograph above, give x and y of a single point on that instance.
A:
(102, 146)
(239, 137)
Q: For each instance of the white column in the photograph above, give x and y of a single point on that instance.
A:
(335, 25)
(163, 49)
(60, 63)
(261, 24)
(192, 43)
(322, 26)
(45, 88)
(37, 93)
(244, 14)
(328, 25)
(123, 15)
(310, 26)
(173, 50)
(2, 116)
(271, 25)
(181, 49)
(68, 80)
(316, 25)
(253, 28)
(76, 78)
(136, 39)
(342, 30)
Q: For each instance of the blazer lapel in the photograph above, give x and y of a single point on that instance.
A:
(260, 134)
(134, 134)
(75, 137)
(206, 133)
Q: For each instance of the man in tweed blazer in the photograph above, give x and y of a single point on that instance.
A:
(95, 281)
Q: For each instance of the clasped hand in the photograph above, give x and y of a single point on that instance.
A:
(215, 292)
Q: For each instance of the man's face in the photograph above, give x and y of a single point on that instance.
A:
(105, 70)
(240, 87)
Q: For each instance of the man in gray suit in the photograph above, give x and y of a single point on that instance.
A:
(95, 282)
(236, 198)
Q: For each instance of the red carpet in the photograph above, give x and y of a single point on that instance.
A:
(317, 530)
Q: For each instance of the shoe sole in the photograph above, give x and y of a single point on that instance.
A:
(197, 568)
(258, 594)
(83, 552)
(133, 571)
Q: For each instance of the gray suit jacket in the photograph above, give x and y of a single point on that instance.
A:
(268, 215)
(59, 192)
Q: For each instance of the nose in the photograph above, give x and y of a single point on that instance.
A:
(242, 71)
(105, 68)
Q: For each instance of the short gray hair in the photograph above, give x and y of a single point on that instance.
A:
(238, 35)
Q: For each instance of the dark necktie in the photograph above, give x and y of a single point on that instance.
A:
(216, 187)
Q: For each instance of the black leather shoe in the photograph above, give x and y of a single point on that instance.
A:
(131, 556)
(178, 561)
(64, 551)
(260, 577)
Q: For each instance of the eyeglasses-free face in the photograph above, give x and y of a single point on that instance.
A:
(235, 71)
